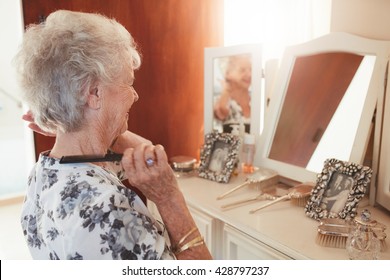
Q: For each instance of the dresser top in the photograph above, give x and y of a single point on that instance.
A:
(283, 226)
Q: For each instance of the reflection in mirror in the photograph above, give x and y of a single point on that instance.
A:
(232, 93)
(327, 102)
(323, 103)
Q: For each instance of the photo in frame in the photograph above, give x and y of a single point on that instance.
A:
(339, 188)
(219, 156)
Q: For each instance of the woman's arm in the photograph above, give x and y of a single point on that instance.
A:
(221, 107)
(179, 222)
(158, 183)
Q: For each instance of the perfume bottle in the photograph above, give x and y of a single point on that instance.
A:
(248, 153)
(362, 242)
(236, 132)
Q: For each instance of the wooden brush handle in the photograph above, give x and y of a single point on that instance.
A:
(238, 203)
(284, 197)
(233, 190)
(263, 196)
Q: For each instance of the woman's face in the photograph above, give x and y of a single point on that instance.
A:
(240, 72)
(119, 99)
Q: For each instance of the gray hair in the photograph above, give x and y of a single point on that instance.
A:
(61, 58)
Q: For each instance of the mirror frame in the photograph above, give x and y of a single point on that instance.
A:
(255, 50)
(332, 42)
(381, 194)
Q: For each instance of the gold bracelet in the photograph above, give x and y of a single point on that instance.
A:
(197, 241)
(186, 235)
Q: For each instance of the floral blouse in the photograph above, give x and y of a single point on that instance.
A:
(235, 116)
(83, 211)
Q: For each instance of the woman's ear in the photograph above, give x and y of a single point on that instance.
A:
(94, 98)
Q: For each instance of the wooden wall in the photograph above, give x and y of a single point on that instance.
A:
(172, 35)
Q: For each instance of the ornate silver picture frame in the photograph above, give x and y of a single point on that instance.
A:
(219, 156)
(339, 188)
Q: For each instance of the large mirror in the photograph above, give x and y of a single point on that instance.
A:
(324, 105)
(383, 190)
(233, 89)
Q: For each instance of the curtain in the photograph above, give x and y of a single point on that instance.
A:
(274, 23)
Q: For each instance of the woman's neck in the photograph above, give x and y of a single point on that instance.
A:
(83, 142)
(236, 92)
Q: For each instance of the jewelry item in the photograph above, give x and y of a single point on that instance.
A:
(197, 241)
(149, 162)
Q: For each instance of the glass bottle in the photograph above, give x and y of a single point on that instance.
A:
(362, 242)
(236, 132)
(248, 153)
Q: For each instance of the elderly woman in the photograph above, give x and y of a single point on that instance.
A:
(77, 71)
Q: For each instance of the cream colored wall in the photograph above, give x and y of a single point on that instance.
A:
(367, 18)
(16, 142)
(370, 19)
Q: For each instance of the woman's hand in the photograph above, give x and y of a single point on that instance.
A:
(127, 140)
(221, 107)
(147, 168)
(29, 117)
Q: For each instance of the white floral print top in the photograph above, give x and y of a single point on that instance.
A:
(235, 116)
(83, 211)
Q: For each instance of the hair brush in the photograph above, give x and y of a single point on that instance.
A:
(333, 232)
(298, 195)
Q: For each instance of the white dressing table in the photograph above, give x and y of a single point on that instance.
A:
(281, 231)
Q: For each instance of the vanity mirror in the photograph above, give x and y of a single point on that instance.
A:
(383, 186)
(232, 93)
(327, 93)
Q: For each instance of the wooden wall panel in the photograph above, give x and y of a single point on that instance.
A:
(171, 35)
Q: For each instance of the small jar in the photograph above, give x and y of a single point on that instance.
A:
(362, 242)
(182, 165)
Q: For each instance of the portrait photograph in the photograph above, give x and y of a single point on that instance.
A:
(219, 156)
(335, 197)
(339, 188)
